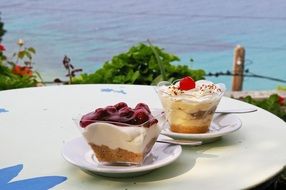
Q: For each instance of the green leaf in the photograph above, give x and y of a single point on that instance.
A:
(159, 62)
(21, 54)
(32, 50)
(157, 80)
(135, 76)
(28, 54)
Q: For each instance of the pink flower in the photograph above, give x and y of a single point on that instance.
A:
(2, 48)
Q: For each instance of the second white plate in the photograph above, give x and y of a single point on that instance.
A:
(222, 124)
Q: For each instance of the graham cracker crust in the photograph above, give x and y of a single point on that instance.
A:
(105, 154)
(189, 129)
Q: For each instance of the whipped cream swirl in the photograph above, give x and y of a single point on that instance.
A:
(203, 89)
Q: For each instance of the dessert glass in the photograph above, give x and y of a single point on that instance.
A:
(116, 143)
(190, 111)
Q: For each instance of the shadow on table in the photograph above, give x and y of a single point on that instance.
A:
(278, 182)
(182, 165)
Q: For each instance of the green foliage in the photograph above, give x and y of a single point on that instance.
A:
(12, 74)
(25, 55)
(274, 104)
(8, 80)
(139, 65)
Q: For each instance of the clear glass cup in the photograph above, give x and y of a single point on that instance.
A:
(187, 112)
(115, 143)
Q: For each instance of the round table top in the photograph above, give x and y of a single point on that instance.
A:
(35, 124)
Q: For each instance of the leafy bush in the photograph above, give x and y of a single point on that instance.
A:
(274, 104)
(12, 73)
(8, 80)
(139, 65)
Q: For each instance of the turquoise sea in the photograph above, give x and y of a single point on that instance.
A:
(90, 32)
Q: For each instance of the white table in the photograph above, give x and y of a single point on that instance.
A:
(36, 122)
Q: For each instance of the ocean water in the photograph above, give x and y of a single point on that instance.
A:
(90, 32)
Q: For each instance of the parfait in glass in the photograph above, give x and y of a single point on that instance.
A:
(189, 105)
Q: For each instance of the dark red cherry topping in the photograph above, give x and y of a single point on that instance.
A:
(187, 83)
(120, 105)
(144, 106)
(111, 109)
(121, 113)
(141, 115)
(126, 112)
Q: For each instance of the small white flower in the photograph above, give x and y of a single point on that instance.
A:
(20, 42)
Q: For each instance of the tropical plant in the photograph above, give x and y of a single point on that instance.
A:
(141, 64)
(17, 72)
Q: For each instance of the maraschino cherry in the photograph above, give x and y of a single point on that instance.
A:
(187, 83)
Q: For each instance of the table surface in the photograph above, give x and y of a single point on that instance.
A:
(35, 123)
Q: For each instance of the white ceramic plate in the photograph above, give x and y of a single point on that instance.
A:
(222, 124)
(78, 153)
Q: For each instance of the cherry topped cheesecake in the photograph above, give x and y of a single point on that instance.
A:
(119, 134)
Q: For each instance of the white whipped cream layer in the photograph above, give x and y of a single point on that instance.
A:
(204, 91)
(133, 139)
